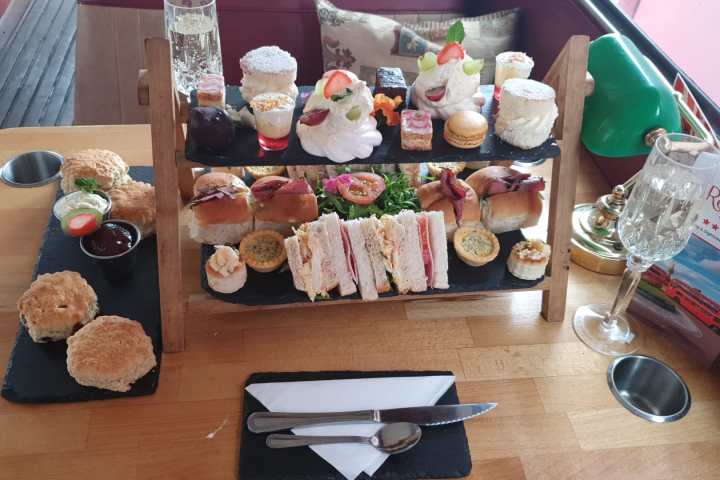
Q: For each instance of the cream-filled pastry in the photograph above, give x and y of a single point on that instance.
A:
(336, 121)
(448, 82)
(268, 69)
(526, 114)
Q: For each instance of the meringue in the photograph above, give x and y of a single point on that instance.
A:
(338, 138)
(461, 90)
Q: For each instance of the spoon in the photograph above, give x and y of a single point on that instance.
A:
(392, 438)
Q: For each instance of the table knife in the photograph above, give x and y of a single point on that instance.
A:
(261, 422)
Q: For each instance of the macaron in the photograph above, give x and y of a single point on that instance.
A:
(465, 129)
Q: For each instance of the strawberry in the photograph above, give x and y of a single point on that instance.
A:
(451, 51)
(314, 117)
(336, 84)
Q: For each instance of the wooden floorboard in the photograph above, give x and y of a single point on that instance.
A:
(37, 63)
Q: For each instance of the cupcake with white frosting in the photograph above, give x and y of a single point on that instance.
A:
(527, 113)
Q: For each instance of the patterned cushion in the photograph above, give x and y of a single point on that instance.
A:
(361, 42)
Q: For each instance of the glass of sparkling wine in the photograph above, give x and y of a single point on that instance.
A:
(655, 225)
(192, 28)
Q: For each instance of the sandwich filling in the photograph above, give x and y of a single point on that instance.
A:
(454, 191)
(424, 233)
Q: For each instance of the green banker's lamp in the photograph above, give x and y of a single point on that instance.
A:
(631, 105)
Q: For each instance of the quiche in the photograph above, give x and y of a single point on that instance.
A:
(475, 245)
(263, 250)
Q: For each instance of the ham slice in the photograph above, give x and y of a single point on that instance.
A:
(454, 191)
(348, 252)
(267, 189)
(518, 182)
(424, 232)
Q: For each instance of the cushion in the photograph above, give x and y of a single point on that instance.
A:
(361, 42)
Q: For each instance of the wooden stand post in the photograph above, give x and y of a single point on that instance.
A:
(173, 177)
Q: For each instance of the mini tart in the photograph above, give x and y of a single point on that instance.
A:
(476, 246)
(528, 259)
(435, 168)
(263, 250)
(260, 172)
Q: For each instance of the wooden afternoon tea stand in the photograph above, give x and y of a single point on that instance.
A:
(174, 181)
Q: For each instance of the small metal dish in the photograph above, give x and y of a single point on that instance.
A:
(648, 388)
(32, 169)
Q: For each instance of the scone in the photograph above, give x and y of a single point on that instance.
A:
(135, 203)
(528, 259)
(111, 353)
(56, 305)
(104, 166)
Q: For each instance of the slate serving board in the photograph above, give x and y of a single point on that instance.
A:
(442, 452)
(37, 372)
(245, 149)
(277, 288)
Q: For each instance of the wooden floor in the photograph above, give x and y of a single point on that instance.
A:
(37, 63)
(555, 420)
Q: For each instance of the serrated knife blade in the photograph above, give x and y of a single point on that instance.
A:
(435, 415)
(262, 422)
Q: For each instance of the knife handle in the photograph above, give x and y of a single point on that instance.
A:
(262, 422)
(278, 440)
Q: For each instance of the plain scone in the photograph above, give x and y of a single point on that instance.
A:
(57, 304)
(111, 352)
(134, 202)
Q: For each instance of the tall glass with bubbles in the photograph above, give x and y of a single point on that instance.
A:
(192, 28)
(655, 225)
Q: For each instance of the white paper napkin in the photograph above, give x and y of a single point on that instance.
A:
(349, 395)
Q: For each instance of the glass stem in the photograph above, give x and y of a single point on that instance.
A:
(628, 285)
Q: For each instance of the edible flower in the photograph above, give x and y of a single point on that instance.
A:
(331, 184)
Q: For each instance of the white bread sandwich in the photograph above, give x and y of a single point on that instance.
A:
(454, 198)
(311, 261)
(282, 203)
(410, 247)
(510, 199)
(221, 209)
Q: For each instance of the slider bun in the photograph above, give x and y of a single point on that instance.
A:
(110, 352)
(223, 210)
(134, 202)
(481, 179)
(511, 211)
(107, 168)
(432, 199)
(288, 209)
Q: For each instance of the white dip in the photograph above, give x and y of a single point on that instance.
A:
(80, 199)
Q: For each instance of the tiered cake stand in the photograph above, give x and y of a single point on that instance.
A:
(174, 179)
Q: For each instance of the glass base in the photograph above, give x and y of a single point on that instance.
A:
(614, 341)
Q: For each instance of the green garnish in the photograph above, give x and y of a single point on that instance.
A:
(340, 96)
(456, 33)
(87, 185)
(398, 195)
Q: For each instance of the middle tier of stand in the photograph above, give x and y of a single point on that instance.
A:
(246, 151)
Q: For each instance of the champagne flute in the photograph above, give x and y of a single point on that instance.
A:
(192, 28)
(655, 225)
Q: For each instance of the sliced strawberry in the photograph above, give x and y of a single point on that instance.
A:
(336, 84)
(435, 94)
(314, 117)
(451, 51)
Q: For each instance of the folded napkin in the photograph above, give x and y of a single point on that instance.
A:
(348, 395)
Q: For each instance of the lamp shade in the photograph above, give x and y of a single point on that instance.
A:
(631, 98)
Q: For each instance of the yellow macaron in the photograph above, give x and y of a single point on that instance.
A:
(465, 129)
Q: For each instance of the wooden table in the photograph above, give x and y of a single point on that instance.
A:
(556, 418)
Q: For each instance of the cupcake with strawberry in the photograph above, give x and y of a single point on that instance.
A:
(449, 81)
(336, 122)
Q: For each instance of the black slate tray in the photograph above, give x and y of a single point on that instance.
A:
(245, 149)
(277, 288)
(442, 452)
(37, 372)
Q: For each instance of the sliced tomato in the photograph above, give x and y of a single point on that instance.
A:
(363, 189)
(451, 51)
(336, 84)
(82, 224)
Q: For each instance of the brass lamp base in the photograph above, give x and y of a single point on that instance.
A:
(595, 244)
